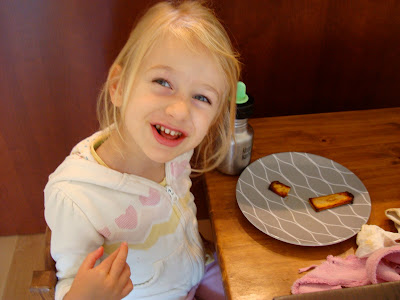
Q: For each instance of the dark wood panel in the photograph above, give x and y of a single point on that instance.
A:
(54, 58)
(299, 56)
(317, 56)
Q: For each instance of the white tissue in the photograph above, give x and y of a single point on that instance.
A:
(394, 215)
(372, 237)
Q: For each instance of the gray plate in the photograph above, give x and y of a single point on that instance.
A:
(292, 219)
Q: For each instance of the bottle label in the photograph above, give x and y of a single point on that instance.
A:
(246, 153)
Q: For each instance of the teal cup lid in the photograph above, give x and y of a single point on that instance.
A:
(244, 102)
(241, 96)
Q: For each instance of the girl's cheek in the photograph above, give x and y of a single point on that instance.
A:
(159, 90)
(204, 108)
(207, 120)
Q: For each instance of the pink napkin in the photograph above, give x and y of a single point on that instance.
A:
(336, 272)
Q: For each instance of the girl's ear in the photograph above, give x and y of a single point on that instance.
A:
(115, 88)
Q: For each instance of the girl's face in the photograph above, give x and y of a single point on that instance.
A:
(174, 100)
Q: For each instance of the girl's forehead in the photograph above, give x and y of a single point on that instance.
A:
(190, 58)
(175, 46)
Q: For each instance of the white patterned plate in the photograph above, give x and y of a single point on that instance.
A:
(292, 219)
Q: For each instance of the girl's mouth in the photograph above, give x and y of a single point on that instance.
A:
(168, 133)
(167, 136)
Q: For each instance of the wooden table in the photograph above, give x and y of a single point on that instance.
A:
(257, 266)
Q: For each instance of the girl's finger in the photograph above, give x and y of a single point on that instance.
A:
(108, 262)
(125, 277)
(91, 258)
(119, 263)
(127, 289)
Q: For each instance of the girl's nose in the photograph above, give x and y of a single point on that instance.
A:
(179, 108)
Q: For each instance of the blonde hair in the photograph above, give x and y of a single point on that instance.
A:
(192, 22)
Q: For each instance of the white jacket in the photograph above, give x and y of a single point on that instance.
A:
(88, 205)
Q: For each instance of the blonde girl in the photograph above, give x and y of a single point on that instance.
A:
(122, 216)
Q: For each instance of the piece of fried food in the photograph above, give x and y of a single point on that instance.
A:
(330, 201)
(279, 188)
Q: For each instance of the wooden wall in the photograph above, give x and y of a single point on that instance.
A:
(309, 56)
(299, 56)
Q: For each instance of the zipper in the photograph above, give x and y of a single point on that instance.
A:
(195, 250)
(172, 194)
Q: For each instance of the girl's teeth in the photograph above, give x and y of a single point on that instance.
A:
(168, 131)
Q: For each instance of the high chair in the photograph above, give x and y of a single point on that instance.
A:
(44, 282)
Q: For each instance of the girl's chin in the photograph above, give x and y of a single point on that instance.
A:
(162, 158)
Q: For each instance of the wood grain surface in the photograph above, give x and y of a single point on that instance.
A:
(28, 256)
(256, 266)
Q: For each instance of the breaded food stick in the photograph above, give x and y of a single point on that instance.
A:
(330, 201)
(279, 188)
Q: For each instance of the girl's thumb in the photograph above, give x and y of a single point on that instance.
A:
(92, 257)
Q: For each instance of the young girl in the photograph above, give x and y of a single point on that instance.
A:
(122, 217)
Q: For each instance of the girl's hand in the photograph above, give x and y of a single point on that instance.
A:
(109, 280)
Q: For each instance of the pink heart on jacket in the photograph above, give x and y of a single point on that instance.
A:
(177, 168)
(152, 199)
(128, 220)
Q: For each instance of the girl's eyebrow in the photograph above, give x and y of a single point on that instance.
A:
(161, 67)
(211, 89)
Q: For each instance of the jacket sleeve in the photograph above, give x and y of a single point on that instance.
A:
(73, 237)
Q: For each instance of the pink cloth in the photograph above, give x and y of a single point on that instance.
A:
(381, 266)
(211, 286)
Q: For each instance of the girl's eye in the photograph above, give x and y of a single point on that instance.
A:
(202, 98)
(162, 82)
